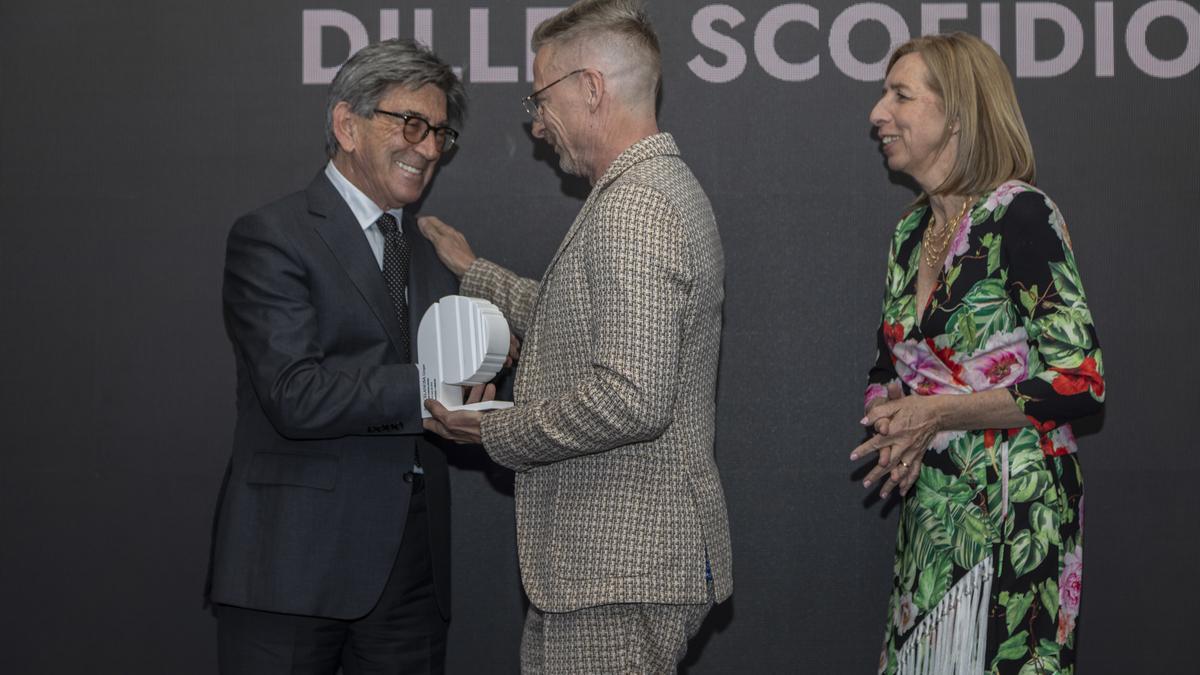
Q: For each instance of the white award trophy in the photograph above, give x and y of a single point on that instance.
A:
(461, 342)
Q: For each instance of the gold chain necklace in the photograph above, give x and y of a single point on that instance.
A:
(934, 245)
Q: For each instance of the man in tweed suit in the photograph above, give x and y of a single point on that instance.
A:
(621, 523)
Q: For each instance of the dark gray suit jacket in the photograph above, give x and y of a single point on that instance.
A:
(314, 504)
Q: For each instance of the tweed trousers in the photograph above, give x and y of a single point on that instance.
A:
(620, 638)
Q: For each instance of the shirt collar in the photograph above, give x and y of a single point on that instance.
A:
(365, 211)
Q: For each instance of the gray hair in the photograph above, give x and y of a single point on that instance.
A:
(366, 78)
(624, 20)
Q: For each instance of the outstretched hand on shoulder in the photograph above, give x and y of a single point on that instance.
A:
(452, 247)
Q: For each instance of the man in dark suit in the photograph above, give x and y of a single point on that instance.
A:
(332, 536)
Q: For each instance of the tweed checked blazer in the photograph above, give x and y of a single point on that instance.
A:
(617, 493)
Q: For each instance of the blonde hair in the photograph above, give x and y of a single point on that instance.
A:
(625, 21)
(981, 107)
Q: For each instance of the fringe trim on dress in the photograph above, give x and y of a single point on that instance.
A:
(952, 638)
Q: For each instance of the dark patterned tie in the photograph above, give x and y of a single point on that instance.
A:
(395, 273)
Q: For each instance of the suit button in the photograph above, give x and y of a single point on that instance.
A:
(408, 476)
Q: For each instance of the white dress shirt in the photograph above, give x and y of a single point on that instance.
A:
(365, 210)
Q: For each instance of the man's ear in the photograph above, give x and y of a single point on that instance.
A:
(593, 87)
(345, 126)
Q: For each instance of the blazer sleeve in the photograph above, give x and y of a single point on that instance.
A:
(514, 295)
(639, 284)
(273, 323)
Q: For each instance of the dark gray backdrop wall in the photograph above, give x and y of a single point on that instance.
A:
(134, 133)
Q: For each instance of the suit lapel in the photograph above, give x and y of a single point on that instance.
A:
(341, 232)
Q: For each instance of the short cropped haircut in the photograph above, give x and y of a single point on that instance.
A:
(977, 94)
(624, 19)
(366, 78)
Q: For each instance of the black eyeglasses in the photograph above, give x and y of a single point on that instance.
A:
(533, 106)
(416, 128)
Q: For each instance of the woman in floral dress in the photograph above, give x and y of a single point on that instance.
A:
(986, 352)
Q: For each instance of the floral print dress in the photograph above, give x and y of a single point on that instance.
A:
(989, 554)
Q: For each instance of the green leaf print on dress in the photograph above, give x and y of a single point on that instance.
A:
(984, 311)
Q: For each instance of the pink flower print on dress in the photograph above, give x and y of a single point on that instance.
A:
(923, 371)
(1070, 586)
(961, 242)
(874, 391)
(946, 355)
(1001, 362)
(943, 439)
(1065, 626)
(1004, 194)
(906, 614)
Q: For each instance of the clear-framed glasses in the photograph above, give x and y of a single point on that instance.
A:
(533, 106)
(415, 128)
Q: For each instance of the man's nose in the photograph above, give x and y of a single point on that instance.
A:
(538, 129)
(429, 148)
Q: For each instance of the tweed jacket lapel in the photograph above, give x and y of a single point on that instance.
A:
(658, 145)
(336, 225)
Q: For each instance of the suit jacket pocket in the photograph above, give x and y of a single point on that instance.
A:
(312, 470)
